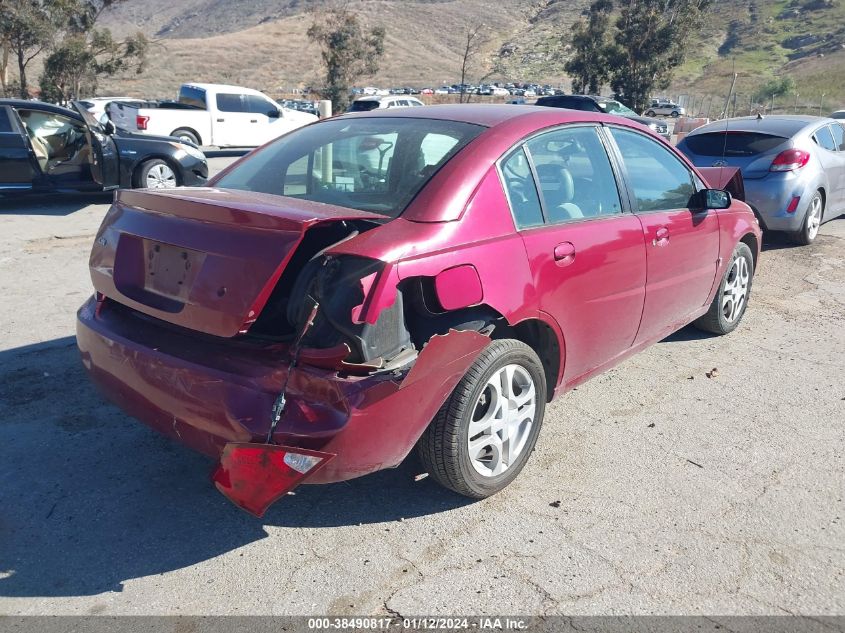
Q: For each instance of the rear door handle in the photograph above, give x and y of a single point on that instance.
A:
(661, 237)
(220, 120)
(564, 253)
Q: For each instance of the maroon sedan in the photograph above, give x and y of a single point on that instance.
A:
(426, 278)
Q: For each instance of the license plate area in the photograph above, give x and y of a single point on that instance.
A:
(170, 271)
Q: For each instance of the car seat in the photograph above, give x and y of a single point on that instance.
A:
(558, 188)
(42, 151)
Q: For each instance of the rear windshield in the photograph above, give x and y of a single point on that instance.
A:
(732, 143)
(371, 164)
(363, 106)
(194, 97)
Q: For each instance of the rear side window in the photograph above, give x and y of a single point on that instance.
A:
(838, 136)
(575, 176)
(824, 138)
(660, 181)
(230, 103)
(521, 190)
(194, 97)
(5, 123)
(363, 106)
(732, 143)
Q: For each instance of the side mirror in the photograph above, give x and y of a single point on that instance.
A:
(274, 114)
(712, 199)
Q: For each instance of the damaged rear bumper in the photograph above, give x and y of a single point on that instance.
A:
(207, 392)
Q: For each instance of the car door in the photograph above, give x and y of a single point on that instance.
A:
(586, 255)
(832, 159)
(838, 131)
(264, 126)
(682, 244)
(17, 170)
(103, 156)
(233, 124)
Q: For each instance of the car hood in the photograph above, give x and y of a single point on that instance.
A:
(121, 134)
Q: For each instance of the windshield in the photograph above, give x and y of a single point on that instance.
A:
(371, 164)
(614, 107)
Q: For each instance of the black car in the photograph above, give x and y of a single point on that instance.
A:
(49, 148)
(590, 103)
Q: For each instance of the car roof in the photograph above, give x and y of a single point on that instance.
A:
(385, 97)
(39, 105)
(491, 115)
(786, 125)
(223, 87)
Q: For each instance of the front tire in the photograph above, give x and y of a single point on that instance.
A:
(650, 113)
(806, 235)
(485, 432)
(156, 174)
(731, 300)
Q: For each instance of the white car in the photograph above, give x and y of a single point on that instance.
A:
(213, 114)
(839, 114)
(665, 108)
(365, 104)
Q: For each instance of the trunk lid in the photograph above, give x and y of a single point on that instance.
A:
(205, 259)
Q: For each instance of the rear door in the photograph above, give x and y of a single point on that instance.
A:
(682, 244)
(17, 170)
(833, 163)
(587, 257)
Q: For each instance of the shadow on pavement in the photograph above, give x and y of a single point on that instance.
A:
(58, 204)
(90, 498)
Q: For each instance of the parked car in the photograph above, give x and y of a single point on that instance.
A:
(49, 148)
(219, 115)
(329, 317)
(97, 105)
(839, 114)
(365, 104)
(301, 105)
(793, 167)
(665, 108)
(590, 103)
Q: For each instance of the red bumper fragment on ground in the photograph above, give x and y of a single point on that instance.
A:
(254, 476)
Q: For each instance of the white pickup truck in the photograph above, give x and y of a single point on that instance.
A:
(212, 114)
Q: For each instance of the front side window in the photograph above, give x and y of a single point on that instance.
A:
(371, 164)
(660, 181)
(230, 103)
(575, 176)
(259, 105)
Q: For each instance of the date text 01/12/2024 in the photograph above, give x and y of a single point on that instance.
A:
(418, 623)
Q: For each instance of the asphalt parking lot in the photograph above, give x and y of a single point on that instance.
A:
(654, 488)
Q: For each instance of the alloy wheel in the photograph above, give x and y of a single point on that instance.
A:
(502, 420)
(814, 217)
(735, 293)
(160, 177)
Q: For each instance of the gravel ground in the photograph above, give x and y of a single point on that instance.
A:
(654, 488)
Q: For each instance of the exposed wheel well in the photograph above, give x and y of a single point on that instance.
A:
(750, 240)
(542, 339)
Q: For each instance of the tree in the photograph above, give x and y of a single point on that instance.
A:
(349, 51)
(474, 40)
(589, 67)
(650, 41)
(87, 53)
(774, 88)
(27, 28)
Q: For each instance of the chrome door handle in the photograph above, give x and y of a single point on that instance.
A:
(661, 237)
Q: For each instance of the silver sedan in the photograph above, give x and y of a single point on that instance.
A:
(793, 167)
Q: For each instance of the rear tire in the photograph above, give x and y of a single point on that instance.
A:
(806, 235)
(731, 300)
(186, 135)
(501, 401)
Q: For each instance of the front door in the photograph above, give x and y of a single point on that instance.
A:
(16, 168)
(586, 256)
(682, 244)
(103, 157)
